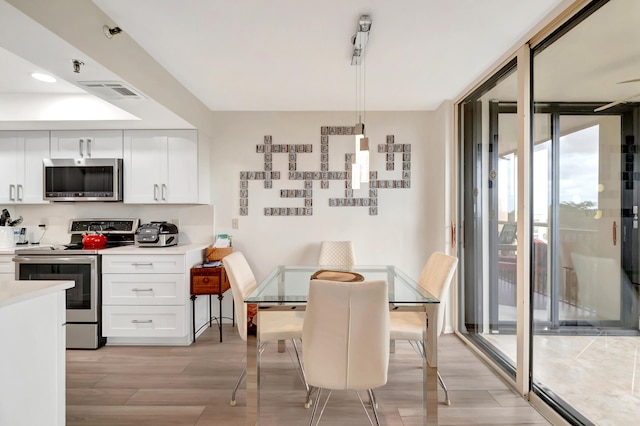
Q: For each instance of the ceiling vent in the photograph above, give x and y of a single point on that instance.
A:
(110, 89)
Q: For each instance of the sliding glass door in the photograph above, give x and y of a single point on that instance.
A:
(579, 287)
(488, 299)
(576, 204)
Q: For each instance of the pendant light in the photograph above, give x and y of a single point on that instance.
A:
(360, 166)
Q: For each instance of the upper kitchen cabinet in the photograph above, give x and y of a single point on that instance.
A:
(86, 144)
(21, 155)
(161, 166)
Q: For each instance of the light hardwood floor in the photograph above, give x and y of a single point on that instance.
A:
(157, 386)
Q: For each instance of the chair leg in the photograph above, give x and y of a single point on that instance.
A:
(315, 407)
(240, 379)
(372, 397)
(303, 378)
(447, 401)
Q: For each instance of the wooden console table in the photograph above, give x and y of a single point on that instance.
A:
(209, 281)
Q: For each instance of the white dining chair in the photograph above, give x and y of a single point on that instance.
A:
(337, 253)
(285, 325)
(436, 278)
(345, 339)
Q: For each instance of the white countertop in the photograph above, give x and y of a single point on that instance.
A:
(131, 249)
(12, 291)
(12, 250)
(179, 249)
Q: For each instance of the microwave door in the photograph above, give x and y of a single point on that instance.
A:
(83, 180)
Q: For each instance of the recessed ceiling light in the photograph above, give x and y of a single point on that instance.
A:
(43, 77)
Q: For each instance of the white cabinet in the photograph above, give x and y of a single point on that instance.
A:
(7, 267)
(145, 297)
(86, 144)
(161, 166)
(32, 355)
(21, 155)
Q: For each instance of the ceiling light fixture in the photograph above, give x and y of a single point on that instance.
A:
(110, 32)
(360, 166)
(43, 77)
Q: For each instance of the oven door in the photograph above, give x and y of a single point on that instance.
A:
(82, 300)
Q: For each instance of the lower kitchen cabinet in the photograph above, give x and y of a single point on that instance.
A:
(32, 356)
(7, 267)
(144, 321)
(145, 297)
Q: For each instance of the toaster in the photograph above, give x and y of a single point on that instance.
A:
(157, 234)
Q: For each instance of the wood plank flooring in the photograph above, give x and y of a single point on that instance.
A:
(118, 385)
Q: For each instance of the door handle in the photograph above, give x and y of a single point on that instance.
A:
(615, 233)
(155, 191)
(164, 192)
(453, 234)
(19, 193)
(12, 190)
(81, 148)
(88, 147)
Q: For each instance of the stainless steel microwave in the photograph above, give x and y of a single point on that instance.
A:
(82, 179)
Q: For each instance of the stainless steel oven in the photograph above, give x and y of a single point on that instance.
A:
(82, 265)
(84, 329)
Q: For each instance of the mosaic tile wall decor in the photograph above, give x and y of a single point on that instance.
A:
(393, 152)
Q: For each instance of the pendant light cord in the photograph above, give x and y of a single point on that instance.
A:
(361, 92)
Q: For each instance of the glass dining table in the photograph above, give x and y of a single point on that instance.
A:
(287, 287)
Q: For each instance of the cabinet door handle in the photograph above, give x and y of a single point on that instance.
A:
(155, 191)
(12, 192)
(164, 192)
(81, 148)
(19, 193)
(615, 233)
(88, 147)
(142, 264)
(141, 321)
(141, 289)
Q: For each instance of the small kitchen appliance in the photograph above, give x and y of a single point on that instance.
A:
(157, 234)
(82, 179)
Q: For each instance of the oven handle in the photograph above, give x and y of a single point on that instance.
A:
(56, 259)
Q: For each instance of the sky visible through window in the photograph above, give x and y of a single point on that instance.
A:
(579, 166)
(579, 170)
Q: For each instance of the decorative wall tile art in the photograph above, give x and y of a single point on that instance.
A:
(325, 175)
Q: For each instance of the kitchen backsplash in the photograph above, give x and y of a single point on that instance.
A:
(195, 222)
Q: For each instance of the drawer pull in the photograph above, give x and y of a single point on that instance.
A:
(141, 321)
(205, 280)
(142, 264)
(141, 289)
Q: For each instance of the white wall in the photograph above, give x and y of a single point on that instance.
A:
(410, 223)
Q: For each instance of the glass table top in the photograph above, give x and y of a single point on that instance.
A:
(290, 284)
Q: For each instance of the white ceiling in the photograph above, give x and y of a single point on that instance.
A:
(291, 55)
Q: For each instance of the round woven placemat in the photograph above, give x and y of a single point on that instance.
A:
(342, 276)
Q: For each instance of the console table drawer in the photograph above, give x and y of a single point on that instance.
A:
(209, 281)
